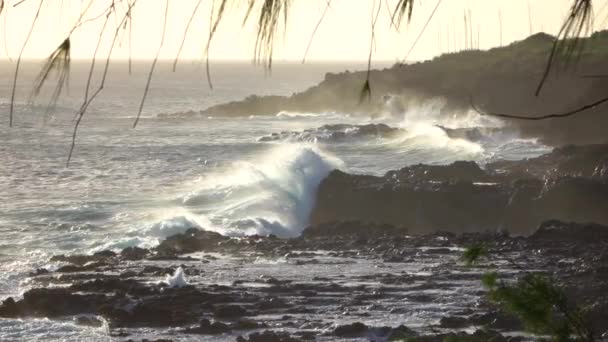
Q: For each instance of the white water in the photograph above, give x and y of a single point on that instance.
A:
(129, 187)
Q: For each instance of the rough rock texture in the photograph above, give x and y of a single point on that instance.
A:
(335, 133)
(299, 309)
(568, 184)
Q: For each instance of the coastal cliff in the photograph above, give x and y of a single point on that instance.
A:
(498, 80)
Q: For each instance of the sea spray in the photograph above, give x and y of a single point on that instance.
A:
(271, 194)
(177, 280)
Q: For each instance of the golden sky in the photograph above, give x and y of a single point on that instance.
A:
(344, 33)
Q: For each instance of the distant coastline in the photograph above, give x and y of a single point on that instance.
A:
(500, 79)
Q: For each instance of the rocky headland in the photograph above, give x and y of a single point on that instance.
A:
(498, 80)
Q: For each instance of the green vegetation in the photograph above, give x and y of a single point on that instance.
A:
(537, 300)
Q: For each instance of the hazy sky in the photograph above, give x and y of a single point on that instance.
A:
(343, 35)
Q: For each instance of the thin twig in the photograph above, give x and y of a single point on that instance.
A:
(27, 39)
(421, 32)
(186, 34)
(86, 104)
(573, 26)
(366, 91)
(213, 24)
(312, 36)
(162, 41)
(541, 117)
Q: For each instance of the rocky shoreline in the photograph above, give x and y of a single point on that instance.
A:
(399, 276)
(382, 260)
(569, 184)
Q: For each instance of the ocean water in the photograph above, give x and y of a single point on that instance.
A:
(134, 187)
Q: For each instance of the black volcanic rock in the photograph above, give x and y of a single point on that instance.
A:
(268, 336)
(134, 253)
(551, 232)
(205, 327)
(585, 161)
(350, 228)
(230, 311)
(193, 240)
(567, 184)
(335, 133)
(356, 329)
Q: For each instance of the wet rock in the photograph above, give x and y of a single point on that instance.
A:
(402, 333)
(585, 161)
(247, 324)
(205, 327)
(268, 336)
(230, 311)
(496, 320)
(551, 232)
(9, 308)
(458, 171)
(78, 259)
(335, 133)
(596, 315)
(105, 254)
(89, 321)
(134, 253)
(193, 240)
(352, 228)
(91, 266)
(567, 184)
(453, 322)
(39, 271)
(352, 330)
(477, 336)
(113, 285)
(50, 302)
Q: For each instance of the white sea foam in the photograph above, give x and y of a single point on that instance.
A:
(285, 114)
(271, 194)
(177, 280)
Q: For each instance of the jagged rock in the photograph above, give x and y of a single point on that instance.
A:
(335, 133)
(134, 253)
(193, 240)
(105, 254)
(78, 259)
(551, 232)
(268, 336)
(89, 321)
(352, 330)
(402, 333)
(453, 322)
(205, 327)
(9, 308)
(342, 228)
(50, 302)
(477, 336)
(516, 196)
(230, 311)
(247, 324)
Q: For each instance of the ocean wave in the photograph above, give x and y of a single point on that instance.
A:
(334, 133)
(272, 194)
(286, 115)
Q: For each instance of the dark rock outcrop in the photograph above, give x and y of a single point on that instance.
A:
(567, 184)
(308, 306)
(192, 240)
